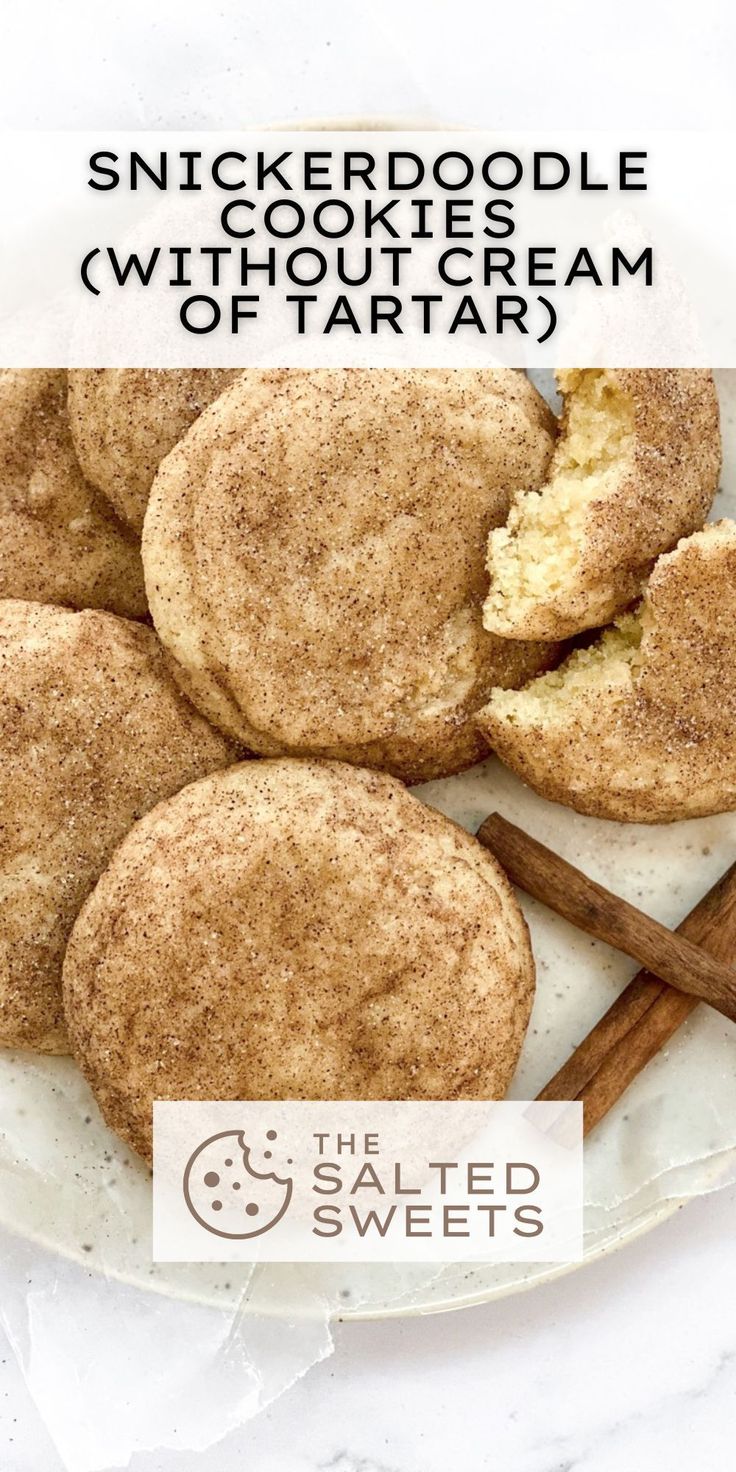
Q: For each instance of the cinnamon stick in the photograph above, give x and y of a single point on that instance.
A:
(646, 1014)
(617, 1024)
(670, 956)
(711, 925)
(631, 1055)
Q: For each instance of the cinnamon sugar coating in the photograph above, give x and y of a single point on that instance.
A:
(93, 732)
(124, 420)
(314, 555)
(60, 541)
(641, 726)
(296, 929)
(635, 469)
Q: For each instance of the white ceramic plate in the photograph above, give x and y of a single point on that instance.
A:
(67, 1182)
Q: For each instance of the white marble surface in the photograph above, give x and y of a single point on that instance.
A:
(626, 1366)
(183, 63)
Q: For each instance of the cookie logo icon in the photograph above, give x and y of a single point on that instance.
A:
(227, 1195)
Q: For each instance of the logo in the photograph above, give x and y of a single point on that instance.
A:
(366, 1180)
(225, 1192)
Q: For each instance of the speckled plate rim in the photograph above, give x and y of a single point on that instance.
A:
(631, 1231)
(639, 1226)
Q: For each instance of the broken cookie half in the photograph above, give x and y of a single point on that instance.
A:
(635, 469)
(641, 725)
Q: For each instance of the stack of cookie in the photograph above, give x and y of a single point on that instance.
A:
(314, 550)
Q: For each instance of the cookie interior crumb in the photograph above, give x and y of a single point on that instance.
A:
(536, 552)
(613, 660)
(638, 727)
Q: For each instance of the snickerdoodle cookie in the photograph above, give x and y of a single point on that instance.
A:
(314, 552)
(59, 539)
(93, 732)
(636, 468)
(640, 726)
(296, 930)
(124, 420)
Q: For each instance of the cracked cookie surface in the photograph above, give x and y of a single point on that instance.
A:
(60, 541)
(314, 553)
(323, 935)
(124, 420)
(635, 469)
(640, 726)
(93, 732)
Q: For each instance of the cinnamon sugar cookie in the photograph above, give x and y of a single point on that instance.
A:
(296, 930)
(640, 726)
(59, 539)
(124, 420)
(93, 732)
(636, 468)
(314, 552)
